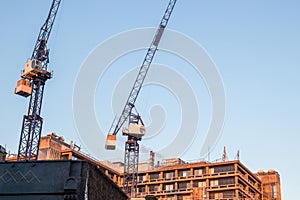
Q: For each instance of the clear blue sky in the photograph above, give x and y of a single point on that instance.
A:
(255, 45)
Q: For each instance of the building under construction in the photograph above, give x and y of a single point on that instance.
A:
(36, 174)
(200, 180)
(271, 184)
(174, 179)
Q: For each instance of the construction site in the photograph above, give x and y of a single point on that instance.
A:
(48, 167)
(171, 179)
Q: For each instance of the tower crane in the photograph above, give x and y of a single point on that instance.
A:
(32, 82)
(136, 129)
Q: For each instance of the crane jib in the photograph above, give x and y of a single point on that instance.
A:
(158, 35)
(144, 68)
(136, 129)
(44, 34)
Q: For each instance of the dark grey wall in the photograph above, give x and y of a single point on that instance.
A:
(56, 180)
(101, 187)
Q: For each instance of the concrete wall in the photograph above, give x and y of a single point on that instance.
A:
(56, 180)
(102, 187)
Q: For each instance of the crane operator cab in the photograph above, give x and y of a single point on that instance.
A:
(135, 130)
(32, 68)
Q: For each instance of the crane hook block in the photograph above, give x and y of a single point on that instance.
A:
(110, 142)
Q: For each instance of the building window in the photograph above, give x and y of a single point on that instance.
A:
(195, 184)
(169, 187)
(228, 194)
(153, 188)
(226, 181)
(142, 177)
(199, 183)
(216, 195)
(141, 189)
(184, 173)
(214, 183)
(226, 168)
(154, 176)
(184, 185)
(274, 191)
(198, 172)
(64, 157)
(219, 195)
(168, 175)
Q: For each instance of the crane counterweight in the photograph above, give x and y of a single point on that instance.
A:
(23, 88)
(111, 142)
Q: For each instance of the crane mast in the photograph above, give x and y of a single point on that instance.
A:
(32, 82)
(136, 127)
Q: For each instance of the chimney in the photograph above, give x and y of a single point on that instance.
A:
(152, 159)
